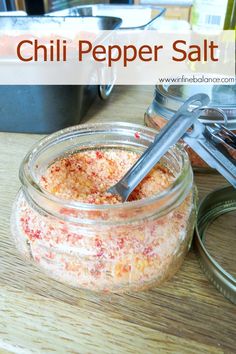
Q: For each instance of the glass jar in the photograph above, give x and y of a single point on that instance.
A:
(168, 99)
(120, 247)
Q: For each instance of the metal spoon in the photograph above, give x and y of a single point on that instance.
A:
(182, 120)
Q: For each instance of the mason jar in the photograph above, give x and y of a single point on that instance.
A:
(168, 99)
(113, 248)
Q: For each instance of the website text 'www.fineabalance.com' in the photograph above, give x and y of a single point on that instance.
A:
(196, 79)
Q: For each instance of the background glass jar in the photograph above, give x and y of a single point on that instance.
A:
(168, 99)
(126, 246)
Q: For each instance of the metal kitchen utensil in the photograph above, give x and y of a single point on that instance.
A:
(222, 135)
(169, 98)
(216, 146)
(168, 136)
(133, 16)
(216, 204)
(214, 143)
(57, 23)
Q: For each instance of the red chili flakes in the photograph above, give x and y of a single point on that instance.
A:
(137, 135)
(100, 265)
(121, 243)
(64, 230)
(26, 230)
(95, 272)
(126, 268)
(98, 242)
(67, 163)
(72, 238)
(69, 212)
(147, 251)
(37, 234)
(161, 221)
(99, 155)
(100, 253)
(32, 234)
(44, 179)
(179, 216)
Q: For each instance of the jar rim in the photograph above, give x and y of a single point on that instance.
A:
(28, 180)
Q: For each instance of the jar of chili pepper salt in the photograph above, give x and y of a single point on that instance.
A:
(64, 220)
(168, 99)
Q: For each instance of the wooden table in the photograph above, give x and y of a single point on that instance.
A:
(39, 315)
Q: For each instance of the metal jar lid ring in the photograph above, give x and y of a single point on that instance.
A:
(215, 204)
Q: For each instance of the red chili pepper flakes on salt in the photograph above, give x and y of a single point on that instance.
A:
(34, 234)
(86, 176)
(179, 216)
(100, 253)
(99, 154)
(95, 272)
(98, 242)
(121, 243)
(147, 251)
(44, 179)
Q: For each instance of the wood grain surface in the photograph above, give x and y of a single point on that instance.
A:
(39, 315)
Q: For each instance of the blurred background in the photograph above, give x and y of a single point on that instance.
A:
(178, 9)
(219, 11)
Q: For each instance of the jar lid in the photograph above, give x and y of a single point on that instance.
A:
(171, 97)
(214, 237)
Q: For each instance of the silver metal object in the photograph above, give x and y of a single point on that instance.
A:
(133, 16)
(169, 98)
(214, 143)
(223, 136)
(215, 204)
(168, 136)
(216, 146)
(105, 91)
(55, 23)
